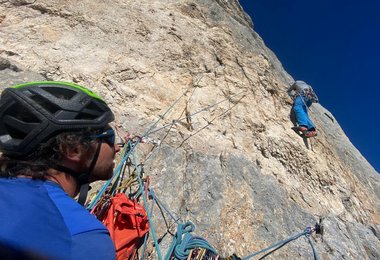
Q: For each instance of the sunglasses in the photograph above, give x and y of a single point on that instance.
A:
(107, 136)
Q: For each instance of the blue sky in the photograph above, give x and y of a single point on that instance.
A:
(333, 45)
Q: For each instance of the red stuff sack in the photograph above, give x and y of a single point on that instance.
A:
(127, 223)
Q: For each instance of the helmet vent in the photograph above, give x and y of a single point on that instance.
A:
(19, 121)
(21, 113)
(94, 107)
(91, 112)
(85, 116)
(15, 133)
(61, 93)
(46, 104)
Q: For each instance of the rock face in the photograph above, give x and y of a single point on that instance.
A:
(230, 163)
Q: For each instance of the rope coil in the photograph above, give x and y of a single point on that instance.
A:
(184, 242)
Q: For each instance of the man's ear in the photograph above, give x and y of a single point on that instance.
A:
(73, 153)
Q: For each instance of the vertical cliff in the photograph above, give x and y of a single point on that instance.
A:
(234, 167)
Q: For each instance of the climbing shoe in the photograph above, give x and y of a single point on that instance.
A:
(302, 128)
(309, 134)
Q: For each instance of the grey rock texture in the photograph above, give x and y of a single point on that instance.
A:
(234, 167)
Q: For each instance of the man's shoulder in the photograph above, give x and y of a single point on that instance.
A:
(75, 216)
(90, 238)
(47, 199)
(50, 220)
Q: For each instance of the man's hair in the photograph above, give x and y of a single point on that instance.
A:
(47, 155)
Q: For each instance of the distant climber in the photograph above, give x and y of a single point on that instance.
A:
(55, 139)
(303, 96)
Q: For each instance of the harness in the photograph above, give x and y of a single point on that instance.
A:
(309, 95)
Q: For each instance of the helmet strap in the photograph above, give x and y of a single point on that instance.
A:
(82, 178)
(84, 188)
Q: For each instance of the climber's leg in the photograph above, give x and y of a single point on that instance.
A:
(300, 110)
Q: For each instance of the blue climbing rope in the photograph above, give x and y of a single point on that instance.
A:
(312, 247)
(307, 232)
(154, 236)
(183, 242)
(147, 235)
(161, 205)
(126, 152)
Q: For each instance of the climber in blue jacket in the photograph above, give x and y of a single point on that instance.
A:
(55, 139)
(303, 96)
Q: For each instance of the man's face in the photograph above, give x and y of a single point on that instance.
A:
(103, 169)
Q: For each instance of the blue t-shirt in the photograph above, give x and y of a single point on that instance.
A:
(38, 216)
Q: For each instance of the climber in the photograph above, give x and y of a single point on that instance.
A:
(55, 139)
(303, 96)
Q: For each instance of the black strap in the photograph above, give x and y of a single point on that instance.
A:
(83, 193)
(82, 178)
(66, 170)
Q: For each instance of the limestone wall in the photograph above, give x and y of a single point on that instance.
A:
(234, 167)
